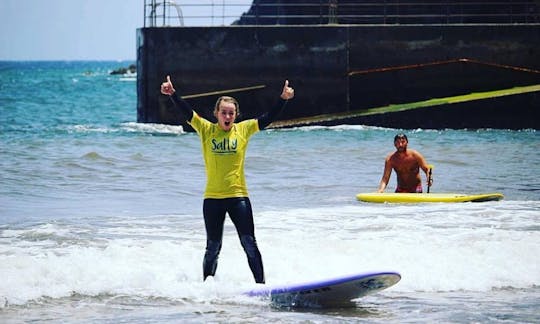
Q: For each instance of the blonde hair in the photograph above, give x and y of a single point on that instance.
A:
(227, 99)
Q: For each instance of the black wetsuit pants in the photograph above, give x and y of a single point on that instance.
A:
(241, 214)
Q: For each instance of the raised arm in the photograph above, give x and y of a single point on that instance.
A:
(167, 88)
(267, 118)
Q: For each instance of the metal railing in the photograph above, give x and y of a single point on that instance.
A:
(320, 12)
(162, 13)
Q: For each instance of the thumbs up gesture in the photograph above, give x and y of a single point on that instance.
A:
(167, 87)
(288, 92)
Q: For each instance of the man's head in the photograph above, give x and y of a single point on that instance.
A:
(400, 142)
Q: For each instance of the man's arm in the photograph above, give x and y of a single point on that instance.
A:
(423, 165)
(386, 175)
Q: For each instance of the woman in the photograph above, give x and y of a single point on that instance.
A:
(224, 146)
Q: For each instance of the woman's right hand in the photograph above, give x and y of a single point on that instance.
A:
(167, 87)
(288, 92)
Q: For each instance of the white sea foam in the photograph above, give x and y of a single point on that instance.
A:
(153, 128)
(131, 127)
(128, 79)
(436, 248)
(89, 129)
(331, 128)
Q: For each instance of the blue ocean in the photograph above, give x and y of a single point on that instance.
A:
(101, 216)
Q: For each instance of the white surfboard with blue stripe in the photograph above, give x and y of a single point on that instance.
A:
(335, 292)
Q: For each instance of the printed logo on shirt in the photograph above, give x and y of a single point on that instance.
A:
(224, 146)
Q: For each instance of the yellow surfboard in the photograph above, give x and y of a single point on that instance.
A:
(384, 197)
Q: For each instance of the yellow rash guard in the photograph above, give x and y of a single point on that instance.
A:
(224, 154)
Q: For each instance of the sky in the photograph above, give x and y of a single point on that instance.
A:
(82, 29)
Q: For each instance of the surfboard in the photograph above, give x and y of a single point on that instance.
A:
(376, 197)
(335, 292)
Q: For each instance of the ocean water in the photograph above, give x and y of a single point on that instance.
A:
(100, 216)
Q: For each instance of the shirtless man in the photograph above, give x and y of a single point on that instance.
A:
(407, 164)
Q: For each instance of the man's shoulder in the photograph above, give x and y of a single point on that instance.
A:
(391, 156)
(415, 153)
